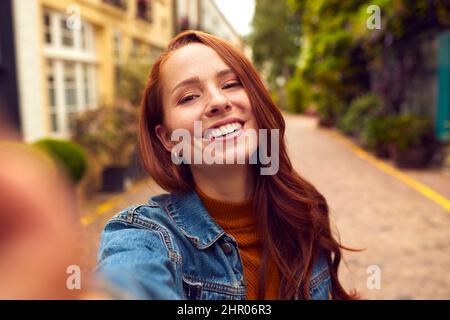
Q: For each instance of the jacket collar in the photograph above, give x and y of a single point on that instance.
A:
(188, 212)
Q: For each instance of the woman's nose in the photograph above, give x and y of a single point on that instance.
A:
(218, 103)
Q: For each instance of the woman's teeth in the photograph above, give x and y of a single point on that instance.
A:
(223, 130)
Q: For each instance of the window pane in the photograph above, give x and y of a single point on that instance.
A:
(51, 84)
(66, 34)
(51, 87)
(47, 28)
(86, 85)
(51, 97)
(143, 10)
(70, 86)
(54, 122)
(84, 45)
(93, 84)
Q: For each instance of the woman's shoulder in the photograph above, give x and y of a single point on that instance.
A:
(151, 214)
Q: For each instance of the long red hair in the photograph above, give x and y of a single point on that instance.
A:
(294, 223)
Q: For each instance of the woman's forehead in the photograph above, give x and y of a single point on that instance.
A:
(191, 60)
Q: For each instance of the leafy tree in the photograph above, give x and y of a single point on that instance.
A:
(133, 77)
(109, 133)
(337, 49)
(275, 39)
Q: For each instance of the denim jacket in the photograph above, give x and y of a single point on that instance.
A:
(171, 248)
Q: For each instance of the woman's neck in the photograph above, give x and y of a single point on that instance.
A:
(227, 183)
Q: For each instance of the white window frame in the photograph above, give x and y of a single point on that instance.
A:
(56, 50)
(58, 55)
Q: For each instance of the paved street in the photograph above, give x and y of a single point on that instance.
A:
(404, 233)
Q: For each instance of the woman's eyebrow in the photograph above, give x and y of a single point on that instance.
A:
(224, 73)
(195, 80)
(186, 82)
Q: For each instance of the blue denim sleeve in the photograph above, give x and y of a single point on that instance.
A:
(136, 262)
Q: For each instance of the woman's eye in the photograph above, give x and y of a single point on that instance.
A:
(187, 99)
(231, 84)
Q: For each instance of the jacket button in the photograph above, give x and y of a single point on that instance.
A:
(226, 247)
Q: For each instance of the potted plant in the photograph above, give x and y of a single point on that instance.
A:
(328, 109)
(375, 135)
(359, 111)
(411, 140)
(109, 133)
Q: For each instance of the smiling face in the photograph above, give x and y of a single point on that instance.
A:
(198, 86)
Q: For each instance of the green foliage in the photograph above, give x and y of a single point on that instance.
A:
(108, 132)
(70, 156)
(375, 131)
(359, 111)
(403, 131)
(408, 130)
(275, 38)
(329, 63)
(297, 95)
(328, 107)
(337, 46)
(275, 97)
(133, 77)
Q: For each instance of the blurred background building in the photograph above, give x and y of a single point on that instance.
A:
(8, 81)
(62, 57)
(206, 16)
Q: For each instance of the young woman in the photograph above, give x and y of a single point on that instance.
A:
(224, 230)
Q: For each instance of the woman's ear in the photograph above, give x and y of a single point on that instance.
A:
(164, 136)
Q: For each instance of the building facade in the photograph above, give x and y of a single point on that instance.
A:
(205, 15)
(68, 53)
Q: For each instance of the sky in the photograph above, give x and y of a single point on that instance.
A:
(239, 13)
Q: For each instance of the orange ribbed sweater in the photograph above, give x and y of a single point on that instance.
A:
(238, 220)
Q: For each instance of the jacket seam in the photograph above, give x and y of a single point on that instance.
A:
(195, 239)
(319, 278)
(132, 219)
(215, 286)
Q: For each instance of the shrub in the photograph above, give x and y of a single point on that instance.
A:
(109, 133)
(297, 100)
(409, 131)
(133, 76)
(375, 132)
(359, 111)
(70, 156)
(328, 107)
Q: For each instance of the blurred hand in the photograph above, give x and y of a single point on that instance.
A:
(39, 230)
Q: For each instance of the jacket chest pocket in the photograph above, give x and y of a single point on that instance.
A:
(195, 289)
